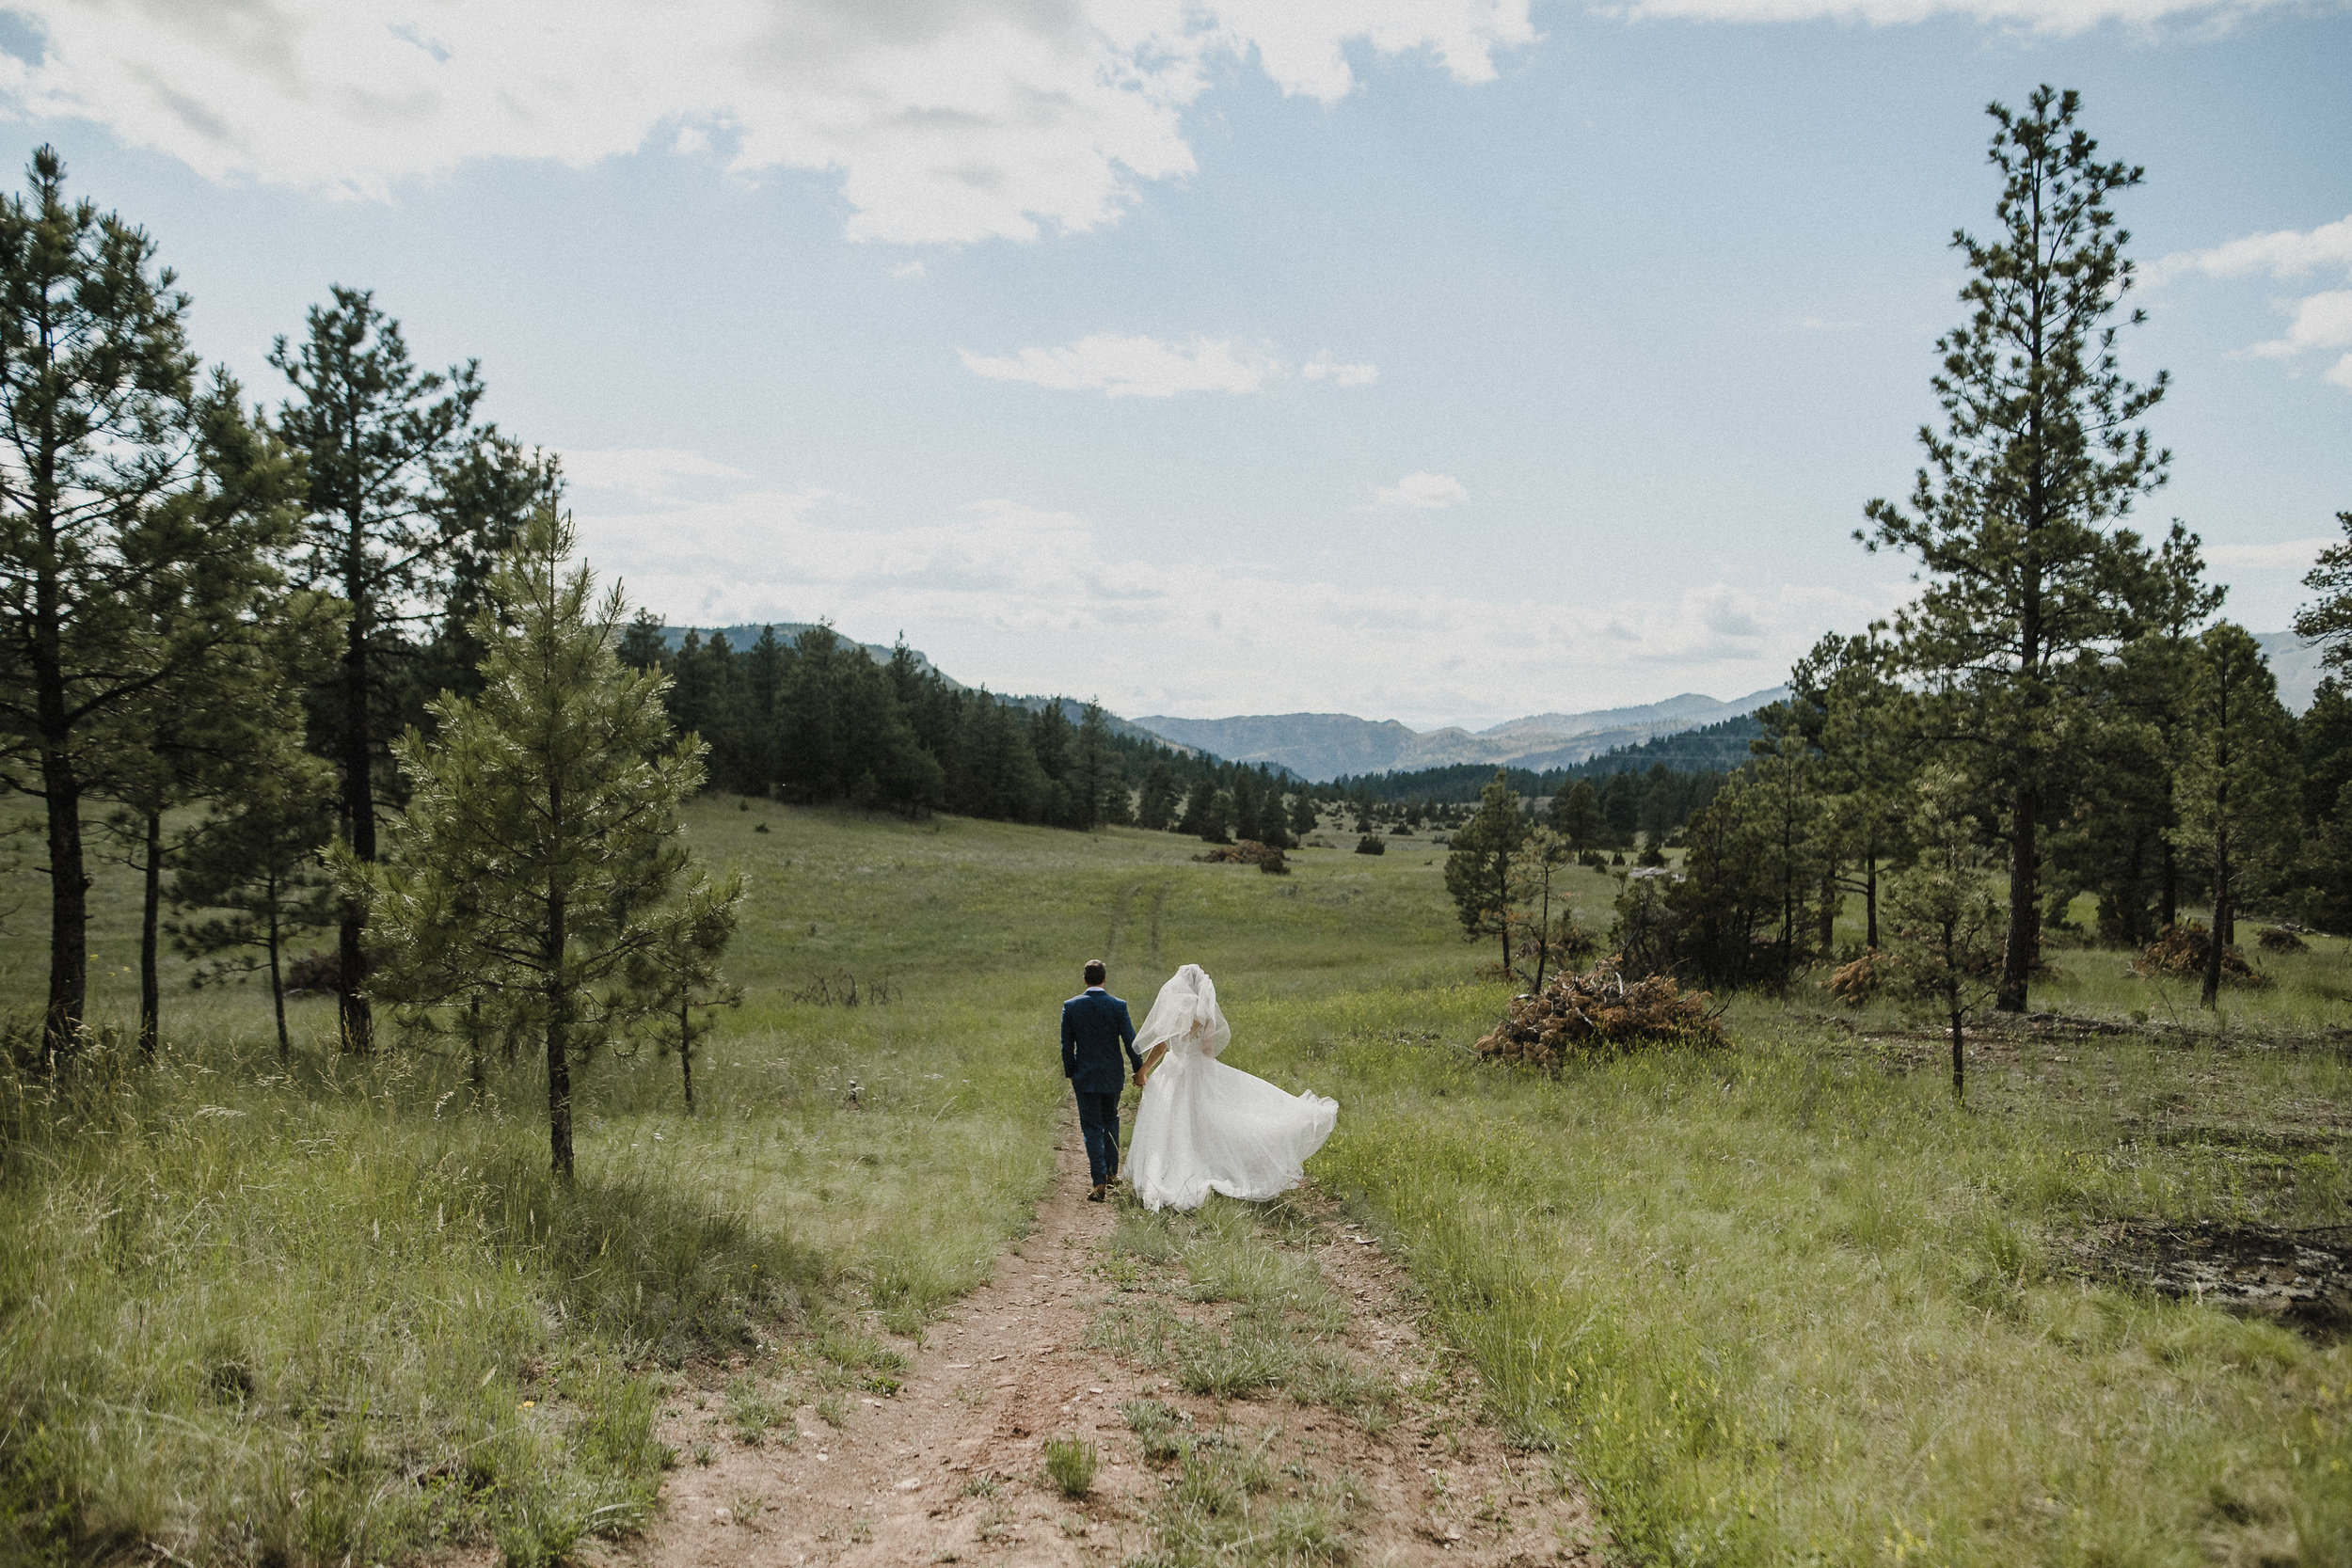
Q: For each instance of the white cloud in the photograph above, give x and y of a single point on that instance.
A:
(1324, 368)
(2287, 253)
(2316, 322)
(2321, 321)
(944, 121)
(1422, 493)
(1030, 600)
(2283, 555)
(2057, 17)
(907, 270)
(1122, 367)
(643, 473)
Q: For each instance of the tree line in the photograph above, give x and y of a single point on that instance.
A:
(812, 719)
(2062, 712)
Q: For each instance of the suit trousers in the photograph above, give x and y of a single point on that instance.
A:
(1098, 1119)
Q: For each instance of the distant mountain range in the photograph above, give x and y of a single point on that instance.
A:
(1323, 746)
(1319, 747)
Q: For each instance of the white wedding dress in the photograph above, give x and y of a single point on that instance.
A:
(1205, 1127)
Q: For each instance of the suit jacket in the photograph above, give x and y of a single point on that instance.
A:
(1095, 1032)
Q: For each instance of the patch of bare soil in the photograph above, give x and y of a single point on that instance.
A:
(950, 1467)
(2303, 1278)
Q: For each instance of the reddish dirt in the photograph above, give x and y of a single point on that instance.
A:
(908, 1478)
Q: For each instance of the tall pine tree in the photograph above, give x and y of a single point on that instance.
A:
(2014, 516)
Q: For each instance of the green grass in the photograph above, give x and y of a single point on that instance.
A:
(1786, 1304)
(343, 1309)
(1069, 1464)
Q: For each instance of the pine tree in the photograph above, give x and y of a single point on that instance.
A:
(1158, 799)
(1575, 815)
(2329, 621)
(2237, 787)
(540, 868)
(1245, 809)
(375, 431)
(137, 510)
(1093, 773)
(258, 860)
(1303, 818)
(1204, 813)
(2014, 518)
(1273, 819)
(1480, 868)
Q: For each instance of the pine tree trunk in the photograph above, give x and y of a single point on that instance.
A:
(473, 1039)
(1870, 899)
(2025, 905)
(686, 1046)
(2215, 944)
(151, 916)
(277, 980)
(359, 791)
(68, 899)
(1959, 1078)
(559, 1067)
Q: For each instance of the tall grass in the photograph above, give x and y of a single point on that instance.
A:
(1792, 1307)
(1785, 1305)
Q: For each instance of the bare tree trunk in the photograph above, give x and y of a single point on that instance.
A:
(151, 916)
(1959, 1083)
(2168, 898)
(686, 1044)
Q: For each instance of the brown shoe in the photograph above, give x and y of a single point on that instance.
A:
(1099, 1193)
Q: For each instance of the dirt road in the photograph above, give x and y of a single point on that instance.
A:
(1357, 1442)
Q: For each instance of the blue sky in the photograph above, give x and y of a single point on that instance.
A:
(1443, 361)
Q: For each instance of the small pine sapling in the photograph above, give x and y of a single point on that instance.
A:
(1949, 926)
(681, 977)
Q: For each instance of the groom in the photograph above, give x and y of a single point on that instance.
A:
(1095, 1033)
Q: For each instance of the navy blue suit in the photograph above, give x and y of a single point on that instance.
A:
(1096, 1035)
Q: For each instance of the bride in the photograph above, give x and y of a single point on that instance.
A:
(1205, 1127)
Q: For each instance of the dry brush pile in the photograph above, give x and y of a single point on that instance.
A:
(1600, 1014)
(1248, 852)
(2180, 950)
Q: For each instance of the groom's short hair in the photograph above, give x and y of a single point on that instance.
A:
(1097, 972)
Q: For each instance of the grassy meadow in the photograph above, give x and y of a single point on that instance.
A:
(1782, 1303)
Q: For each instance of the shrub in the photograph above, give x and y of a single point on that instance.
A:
(2282, 939)
(1600, 1014)
(1372, 844)
(1070, 1461)
(2180, 951)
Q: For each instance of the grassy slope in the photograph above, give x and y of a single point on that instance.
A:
(1786, 1305)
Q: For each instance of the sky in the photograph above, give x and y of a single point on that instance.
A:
(1439, 360)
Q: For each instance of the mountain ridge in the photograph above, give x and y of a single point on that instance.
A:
(1324, 746)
